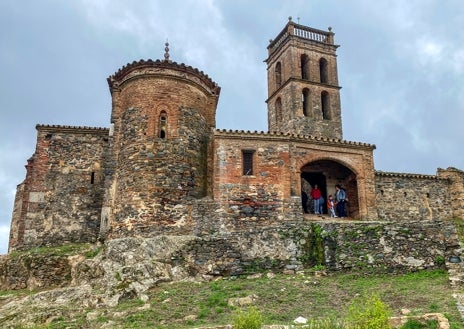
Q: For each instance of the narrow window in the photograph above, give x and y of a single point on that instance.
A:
(278, 74)
(162, 125)
(304, 67)
(325, 104)
(306, 102)
(247, 158)
(323, 71)
(278, 111)
(92, 177)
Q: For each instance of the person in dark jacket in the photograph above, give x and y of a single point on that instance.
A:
(340, 197)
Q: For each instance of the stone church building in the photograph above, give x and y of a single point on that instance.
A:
(164, 168)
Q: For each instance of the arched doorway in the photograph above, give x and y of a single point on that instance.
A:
(326, 174)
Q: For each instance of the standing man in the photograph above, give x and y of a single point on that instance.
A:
(340, 197)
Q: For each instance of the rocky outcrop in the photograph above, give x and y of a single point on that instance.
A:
(102, 275)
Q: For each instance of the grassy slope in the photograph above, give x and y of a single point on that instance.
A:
(280, 299)
(283, 298)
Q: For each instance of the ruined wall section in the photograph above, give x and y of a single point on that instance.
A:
(162, 114)
(456, 189)
(60, 200)
(406, 197)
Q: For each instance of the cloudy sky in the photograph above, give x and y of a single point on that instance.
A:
(401, 66)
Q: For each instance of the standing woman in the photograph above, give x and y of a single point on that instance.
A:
(340, 197)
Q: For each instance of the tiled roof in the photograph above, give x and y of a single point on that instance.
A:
(405, 175)
(72, 128)
(119, 75)
(248, 133)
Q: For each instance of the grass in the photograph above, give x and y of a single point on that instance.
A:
(62, 250)
(415, 324)
(281, 299)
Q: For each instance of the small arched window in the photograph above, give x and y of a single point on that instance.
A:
(306, 102)
(305, 67)
(278, 110)
(325, 105)
(278, 74)
(323, 70)
(163, 125)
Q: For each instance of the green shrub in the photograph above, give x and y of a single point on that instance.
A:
(251, 318)
(368, 312)
(415, 324)
(93, 252)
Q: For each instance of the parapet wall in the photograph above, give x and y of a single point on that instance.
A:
(409, 197)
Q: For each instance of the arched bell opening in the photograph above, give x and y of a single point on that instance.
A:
(326, 174)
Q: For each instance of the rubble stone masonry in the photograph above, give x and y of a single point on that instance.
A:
(60, 199)
(234, 198)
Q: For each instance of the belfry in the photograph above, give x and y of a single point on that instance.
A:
(303, 90)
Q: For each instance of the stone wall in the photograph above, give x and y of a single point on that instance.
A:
(60, 199)
(157, 179)
(408, 197)
(456, 189)
(370, 246)
(34, 271)
(162, 113)
(288, 246)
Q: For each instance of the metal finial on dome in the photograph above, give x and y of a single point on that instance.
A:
(290, 18)
(166, 49)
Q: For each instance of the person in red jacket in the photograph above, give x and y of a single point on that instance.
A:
(316, 195)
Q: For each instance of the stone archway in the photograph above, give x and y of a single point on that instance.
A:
(326, 174)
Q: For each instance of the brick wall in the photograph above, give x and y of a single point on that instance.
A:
(279, 161)
(60, 199)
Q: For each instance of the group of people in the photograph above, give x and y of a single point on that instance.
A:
(335, 205)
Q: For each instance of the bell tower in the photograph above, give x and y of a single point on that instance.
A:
(303, 90)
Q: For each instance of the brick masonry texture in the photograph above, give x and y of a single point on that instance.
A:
(164, 170)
